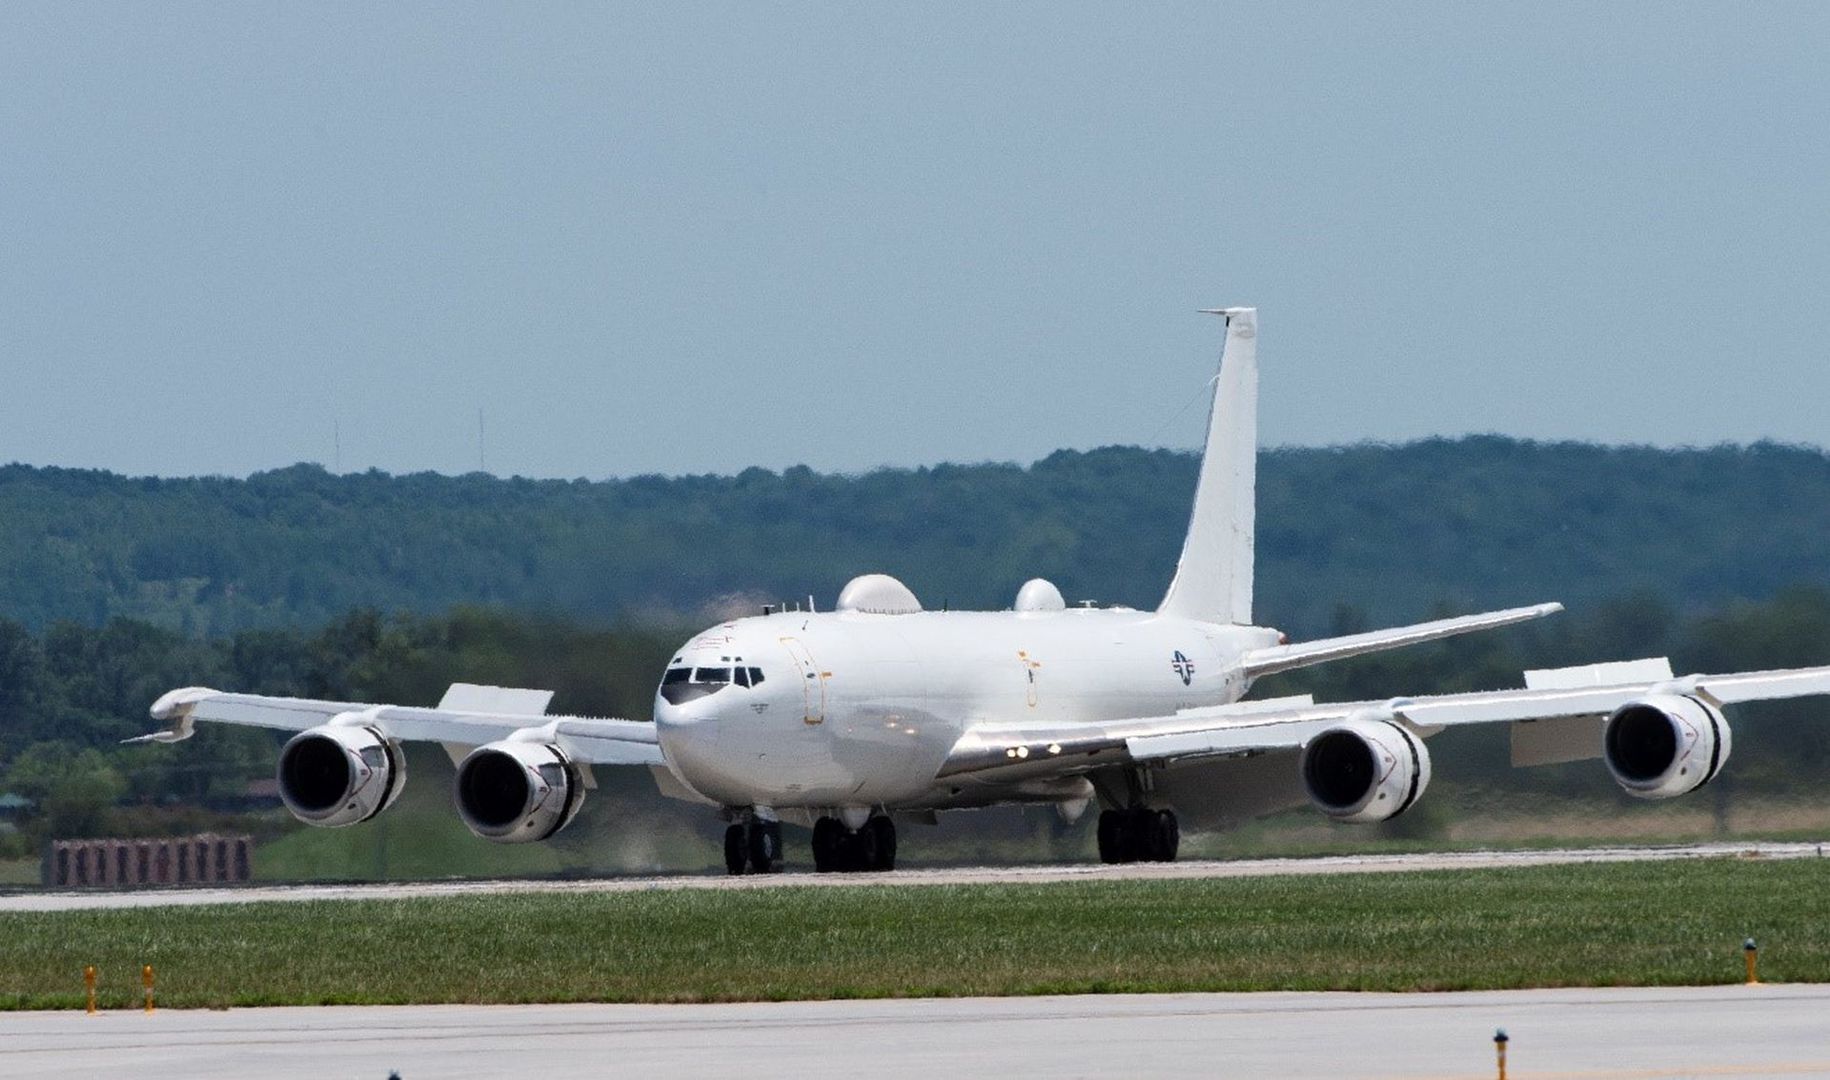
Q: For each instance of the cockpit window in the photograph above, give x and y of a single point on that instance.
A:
(683, 684)
(680, 685)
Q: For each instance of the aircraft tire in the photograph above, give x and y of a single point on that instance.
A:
(883, 842)
(736, 849)
(828, 845)
(1168, 836)
(765, 847)
(1141, 836)
(1111, 836)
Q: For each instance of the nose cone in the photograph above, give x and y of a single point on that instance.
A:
(700, 752)
(691, 725)
(672, 716)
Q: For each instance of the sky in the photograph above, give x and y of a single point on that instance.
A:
(683, 238)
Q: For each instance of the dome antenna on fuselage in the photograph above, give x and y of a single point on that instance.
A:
(1213, 579)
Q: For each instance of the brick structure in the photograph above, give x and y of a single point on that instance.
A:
(182, 860)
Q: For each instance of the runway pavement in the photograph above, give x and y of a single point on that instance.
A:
(1732, 1031)
(1339, 864)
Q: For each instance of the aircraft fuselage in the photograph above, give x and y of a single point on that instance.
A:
(860, 710)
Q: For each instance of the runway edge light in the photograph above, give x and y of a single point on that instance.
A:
(1752, 952)
(1499, 1047)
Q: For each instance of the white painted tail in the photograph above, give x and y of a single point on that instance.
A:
(1213, 579)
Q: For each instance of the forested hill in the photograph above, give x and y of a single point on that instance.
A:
(1372, 532)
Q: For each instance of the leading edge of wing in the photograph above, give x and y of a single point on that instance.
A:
(1249, 727)
(588, 740)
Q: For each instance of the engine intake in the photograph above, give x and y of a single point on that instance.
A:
(1665, 745)
(1365, 770)
(340, 774)
(518, 792)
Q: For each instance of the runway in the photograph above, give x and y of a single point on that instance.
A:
(1236, 868)
(1732, 1031)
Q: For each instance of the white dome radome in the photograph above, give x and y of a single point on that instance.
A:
(1040, 595)
(878, 594)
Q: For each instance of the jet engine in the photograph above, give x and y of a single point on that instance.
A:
(1365, 770)
(518, 792)
(340, 774)
(1665, 745)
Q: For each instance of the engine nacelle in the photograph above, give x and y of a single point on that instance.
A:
(518, 792)
(1365, 770)
(1665, 745)
(340, 774)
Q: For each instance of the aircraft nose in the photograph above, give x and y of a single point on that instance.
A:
(669, 715)
(681, 715)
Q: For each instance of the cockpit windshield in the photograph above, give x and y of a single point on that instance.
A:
(682, 684)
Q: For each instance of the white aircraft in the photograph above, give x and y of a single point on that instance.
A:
(841, 720)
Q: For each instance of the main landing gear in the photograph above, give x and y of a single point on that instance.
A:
(836, 847)
(753, 846)
(1138, 834)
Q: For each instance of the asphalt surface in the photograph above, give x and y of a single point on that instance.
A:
(1731, 1031)
(1340, 864)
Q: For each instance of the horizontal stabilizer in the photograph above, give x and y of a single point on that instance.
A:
(1288, 657)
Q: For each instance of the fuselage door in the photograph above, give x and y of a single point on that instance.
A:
(813, 684)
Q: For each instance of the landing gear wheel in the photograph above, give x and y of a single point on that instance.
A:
(1168, 836)
(858, 851)
(828, 845)
(837, 848)
(883, 843)
(736, 849)
(1111, 836)
(1145, 837)
(1138, 834)
(765, 847)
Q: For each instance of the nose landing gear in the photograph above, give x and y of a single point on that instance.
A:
(871, 848)
(753, 846)
(1138, 834)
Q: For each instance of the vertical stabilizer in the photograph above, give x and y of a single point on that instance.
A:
(1213, 579)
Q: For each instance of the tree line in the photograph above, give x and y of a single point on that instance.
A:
(1386, 530)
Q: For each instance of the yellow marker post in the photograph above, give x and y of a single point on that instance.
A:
(1752, 953)
(89, 981)
(146, 979)
(1499, 1046)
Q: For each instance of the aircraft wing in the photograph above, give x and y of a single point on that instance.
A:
(468, 716)
(1249, 728)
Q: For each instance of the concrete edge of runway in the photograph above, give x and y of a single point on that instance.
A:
(28, 901)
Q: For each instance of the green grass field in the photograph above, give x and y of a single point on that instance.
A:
(1668, 923)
